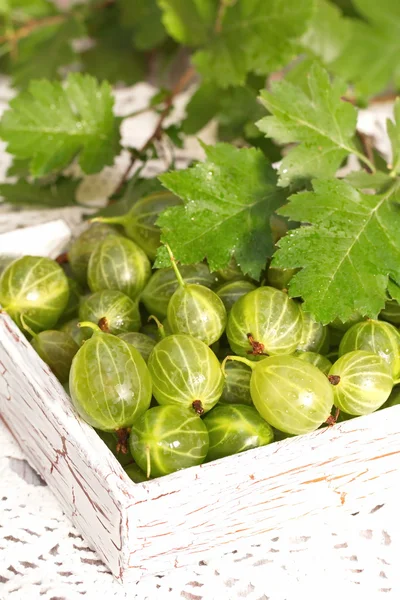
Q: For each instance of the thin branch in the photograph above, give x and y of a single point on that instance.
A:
(157, 133)
(27, 29)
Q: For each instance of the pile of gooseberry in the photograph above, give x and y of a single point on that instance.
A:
(179, 366)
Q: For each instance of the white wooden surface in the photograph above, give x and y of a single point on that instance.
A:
(169, 523)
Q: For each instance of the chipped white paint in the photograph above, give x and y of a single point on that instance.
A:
(47, 239)
(177, 520)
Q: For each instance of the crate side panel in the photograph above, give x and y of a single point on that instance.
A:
(192, 512)
(81, 471)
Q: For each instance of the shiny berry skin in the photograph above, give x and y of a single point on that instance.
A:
(113, 311)
(109, 382)
(197, 311)
(264, 322)
(374, 336)
(319, 361)
(314, 336)
(143, 343)
(82, 248)
(35, 288)
(163, 283)
(167, 439)
(119, 264)
(237, 384)
(235, 428)
(231, 291)
(57, 349)
(185, 371)
(291, 395)
(362, 382)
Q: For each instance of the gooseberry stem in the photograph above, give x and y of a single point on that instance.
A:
(90, 325)
(26, 327)
(112, 220)
(241, 359)
(179, 277)
(161, 328)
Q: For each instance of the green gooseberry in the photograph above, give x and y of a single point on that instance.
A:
(72, 309)
(361, 381)
(163, 283)
(237, 384)
(235, 428)
(391, 312)
(318, 360)
(143, 343)
(232, 271)
(113, 311)
(36, 289)
(231, 291)
(57, 349)
(109, 382)
(314, 336)
(78, 334)
(264, 322)
(196, 310)
(394, 398)
(118, 264)
(151, 330)
(291, 395)
(167, 439)
(83, 247)
(140, 222)
(374, 336)
(345, 325)
(185, 372)
(135, 473)
(280, 278)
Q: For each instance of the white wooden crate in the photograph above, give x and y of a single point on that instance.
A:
(171, 522)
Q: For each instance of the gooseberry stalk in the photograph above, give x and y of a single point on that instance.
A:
(160, 326)
(26, 327)
(90, 325)
(179, 277)
(241, 359)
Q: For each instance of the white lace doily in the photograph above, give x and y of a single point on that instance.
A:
(42, 556)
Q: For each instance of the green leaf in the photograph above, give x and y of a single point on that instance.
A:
(143, 19)
(23, 193)
(113, 56)
(347, 253)
(368, 181)
(394, 290)
(371, 57)
(256, 36)
(321, 121)
(328, 32)
(21, 11)
(202, 107)
(229, 200)
(50, 124)
(18, 168)
(393, 129)
(45, 51)
(189, 22)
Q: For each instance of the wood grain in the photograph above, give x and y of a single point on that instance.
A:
(149, 528)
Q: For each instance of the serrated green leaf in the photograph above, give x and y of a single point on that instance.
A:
(328, 32)
(371, 57)
(22, 193)
(143, 19)
(255, 35)
(321, 121)
(18, 168)
(368, 181)
(189, 22)
(50, 124)
(393, 129)
(45, 51)
(229, 200)
(347, 253)
(394, 290)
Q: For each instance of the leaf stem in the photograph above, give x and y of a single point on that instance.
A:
(179, 277)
